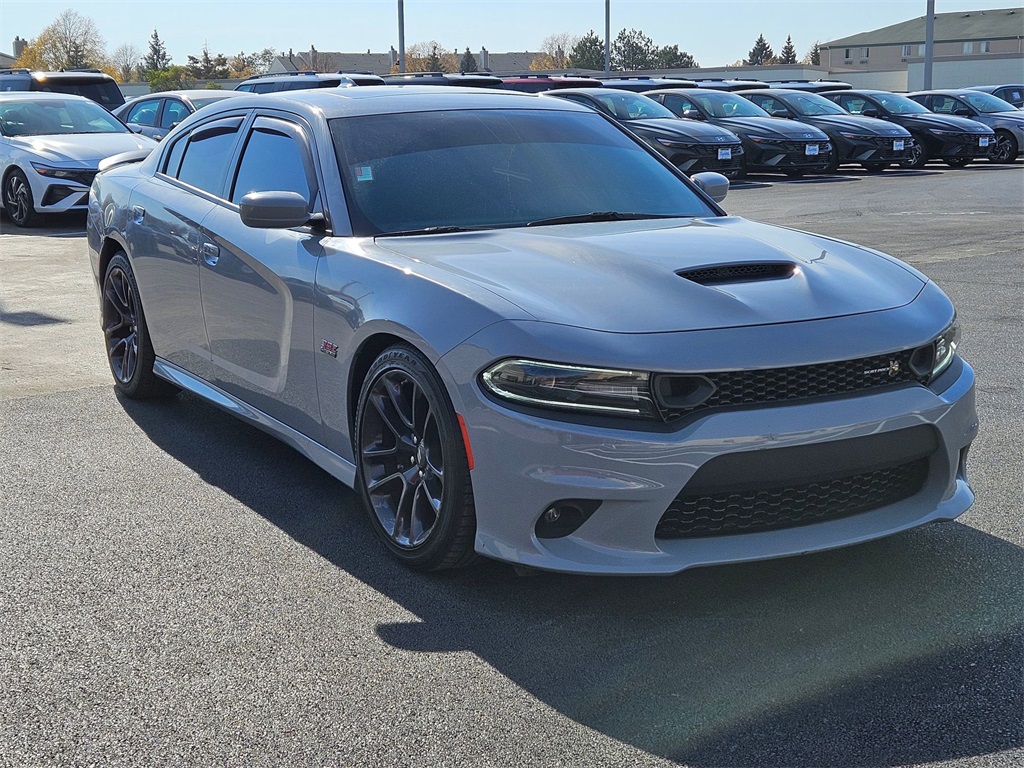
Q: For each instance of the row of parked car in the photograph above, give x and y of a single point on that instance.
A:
(729, 126)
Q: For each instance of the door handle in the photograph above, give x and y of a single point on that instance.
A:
(211, 254)
(138, 213)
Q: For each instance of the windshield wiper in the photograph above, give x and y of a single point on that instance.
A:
(581, 218)
(428, 231)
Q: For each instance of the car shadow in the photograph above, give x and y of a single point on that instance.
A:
(50, 225)
(905, 650)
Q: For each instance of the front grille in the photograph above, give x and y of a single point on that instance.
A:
(775, 508)
(711, 150)
(772, 385)
(800, 147)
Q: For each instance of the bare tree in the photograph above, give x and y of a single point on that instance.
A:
(126, 61)
(71, 40)
(430, 56)
(557, 48)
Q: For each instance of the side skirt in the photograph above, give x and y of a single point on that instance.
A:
(327, 460)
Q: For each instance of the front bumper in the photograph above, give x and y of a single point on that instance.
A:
(787, 155)
(722, 158)
(526, 464)
(967, 145)
(872, 150)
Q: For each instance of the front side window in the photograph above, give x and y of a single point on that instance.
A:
(206, 156)
(273, 160)
(855, 104)
(769, 104)
(144, 113)
(498, 168)
(632, 106)
(729, 105)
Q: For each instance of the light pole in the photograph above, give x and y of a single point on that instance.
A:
(929, 43)
(607, 38)
(401, 36)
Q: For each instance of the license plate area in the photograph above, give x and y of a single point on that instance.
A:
(811, 150)
(725, 153)
(897, 145)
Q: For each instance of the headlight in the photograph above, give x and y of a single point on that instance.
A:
(937, 132)
(677, 143)
(599, 391)
(60, 173)
(763, 139)
(850, 135)
(931, 360)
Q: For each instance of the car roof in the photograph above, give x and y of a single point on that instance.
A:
(41, 96)
(188, 93)
(388, 99)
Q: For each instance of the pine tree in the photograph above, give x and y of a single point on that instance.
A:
(788, 53)
(761, 53)
(813, 56)
(434, 63)
(468, 62)
(157, 59)
(633, 50)
(670, 57)
(588, 53)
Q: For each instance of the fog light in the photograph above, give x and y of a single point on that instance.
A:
(564, 517)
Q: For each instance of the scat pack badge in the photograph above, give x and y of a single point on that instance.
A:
(328, 348)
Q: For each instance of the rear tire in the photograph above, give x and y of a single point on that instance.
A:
(411, 465)
(129, 351)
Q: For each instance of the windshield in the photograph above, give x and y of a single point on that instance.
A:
(632, 106)
(985, 102)
(56, 117)
(727, 105)
(899, 105)
(204, 101)
(498, 168)
(813, 105)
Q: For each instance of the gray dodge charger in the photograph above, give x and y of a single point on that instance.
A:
(518, 333)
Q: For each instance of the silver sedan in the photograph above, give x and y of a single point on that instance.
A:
(519, 333)
(1001, 116)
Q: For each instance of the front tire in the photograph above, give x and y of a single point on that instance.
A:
(918, 156)
(411, 465)
(18, 200)
(129, 351)
(1006, 148)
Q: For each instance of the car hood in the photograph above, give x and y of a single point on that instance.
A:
(869, 126)
(81, 148)
(622, 276)
(670, 127)
(777, 127)
(943, 123)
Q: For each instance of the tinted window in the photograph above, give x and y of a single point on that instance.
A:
(768, 103)
(984, 102)
(207, 154)
(170, 167)
(497, 168)
(855, 104)
(632, 106)
(899, 105)
(103, 92)
(144, 112)
(813, 105)
(678, 104)
(272, 160)
(174, 112)
(728, 105)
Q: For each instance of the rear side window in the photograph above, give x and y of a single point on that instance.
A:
(144, 113)
(207, 154)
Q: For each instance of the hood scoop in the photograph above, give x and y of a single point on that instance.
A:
(739, 273)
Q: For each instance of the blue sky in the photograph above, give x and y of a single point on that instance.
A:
(716, 32)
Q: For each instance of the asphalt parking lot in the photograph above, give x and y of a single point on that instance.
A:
(177, 588)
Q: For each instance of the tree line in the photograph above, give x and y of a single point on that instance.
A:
(74, 41)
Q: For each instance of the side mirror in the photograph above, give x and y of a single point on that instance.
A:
(714, 185)
(274, 210)
(134, 127)
(870, 112)
(963, 112)
(692, 114)
(780, 113)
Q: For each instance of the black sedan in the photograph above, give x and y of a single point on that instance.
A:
(866, 141)
(689, 146)
(155, 114)
(954, 140)
(769, 143)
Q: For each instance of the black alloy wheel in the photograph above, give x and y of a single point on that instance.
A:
(412, 468)
(18, 200)
(918, 156)
(1006, 148)
(129, 351)
(957, 162)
